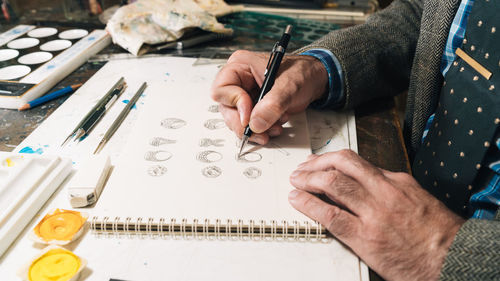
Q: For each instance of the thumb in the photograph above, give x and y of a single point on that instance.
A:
(270, 108)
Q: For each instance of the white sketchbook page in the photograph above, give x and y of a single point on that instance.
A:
(183, 191)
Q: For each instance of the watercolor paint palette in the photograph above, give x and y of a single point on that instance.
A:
(41, 57)
(26, 182)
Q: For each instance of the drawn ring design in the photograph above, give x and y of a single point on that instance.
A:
(157, 170)
(209, 156)
(211, 171)
(157, 141)
(214, 124)
(249, 157)
(157, 155)
(252, 172)
(214, 108)
(173, 123)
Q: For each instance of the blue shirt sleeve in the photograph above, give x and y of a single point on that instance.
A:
(335, 97)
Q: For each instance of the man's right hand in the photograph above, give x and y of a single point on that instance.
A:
(300, 81)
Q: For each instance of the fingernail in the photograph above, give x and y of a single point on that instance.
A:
(295, 174)
(293, 195)
(241, 117)
(258, 124)
(273, 132)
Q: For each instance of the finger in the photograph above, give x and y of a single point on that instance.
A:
(338, 187)
(349, 163)
(275, 130)
(230, 116)
(340, 223)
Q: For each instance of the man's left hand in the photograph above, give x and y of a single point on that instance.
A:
(394, 225)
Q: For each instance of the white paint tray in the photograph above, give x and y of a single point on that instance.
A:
(26, 183)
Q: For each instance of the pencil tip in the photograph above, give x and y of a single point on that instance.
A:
(24, 107)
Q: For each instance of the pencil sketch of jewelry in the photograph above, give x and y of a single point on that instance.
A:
(211, 171)
(214, 108)
(157, 170)
(157, 141)
(214, 124)
(173, 123)
(209, 156)
(208, 142)
(252, 172)
(157, 155)
(280, 149)
(248, 157)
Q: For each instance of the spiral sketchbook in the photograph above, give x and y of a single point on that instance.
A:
(179, 173)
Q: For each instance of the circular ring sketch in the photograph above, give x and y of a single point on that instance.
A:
(214, 124)
(157, 141)
(157, 155)
(214, 108)
(211, 171)
(157, 170)
(173, 123)
(209, 156)
(249, 157)
(209, 142)
(252, 172)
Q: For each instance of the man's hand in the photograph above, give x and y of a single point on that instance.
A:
(401, 231)
(300, 81)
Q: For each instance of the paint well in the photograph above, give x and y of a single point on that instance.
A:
(73, 34)
(42, 32)
(56, 264)
(14, 72)
(23, 43)
(7, 54)
(61, 225)
(35, 58)
(56, 45)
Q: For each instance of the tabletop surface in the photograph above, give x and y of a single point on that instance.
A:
(378, 129)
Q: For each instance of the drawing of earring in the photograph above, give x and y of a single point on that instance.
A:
(208, 142)
(157, 155)
(157, 170)
(214, 124)
(173, 123)
(252, 172)
(209, 156)
(211, 171)
(157, 141)
(249, 157)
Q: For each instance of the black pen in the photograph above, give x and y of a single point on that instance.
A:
(102, 101)
(272, 67)
(99, 111)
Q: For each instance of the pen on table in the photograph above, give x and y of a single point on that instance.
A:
(119, 85)
(270, 73)
(99, 112)
(49, 97)
(112, 129)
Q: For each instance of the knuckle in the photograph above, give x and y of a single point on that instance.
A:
(331, 215)
(329, 178)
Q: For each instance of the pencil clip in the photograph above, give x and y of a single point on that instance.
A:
(271, 56)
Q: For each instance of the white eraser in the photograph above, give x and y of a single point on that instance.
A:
(86, 186)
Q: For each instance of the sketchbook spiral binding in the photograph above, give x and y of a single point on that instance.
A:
(220, 230)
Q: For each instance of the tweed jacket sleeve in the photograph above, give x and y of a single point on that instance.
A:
(376, 57)
(475, 252)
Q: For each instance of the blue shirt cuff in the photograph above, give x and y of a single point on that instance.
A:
(335, 96)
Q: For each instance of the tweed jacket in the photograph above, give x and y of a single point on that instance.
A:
(400, 48)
